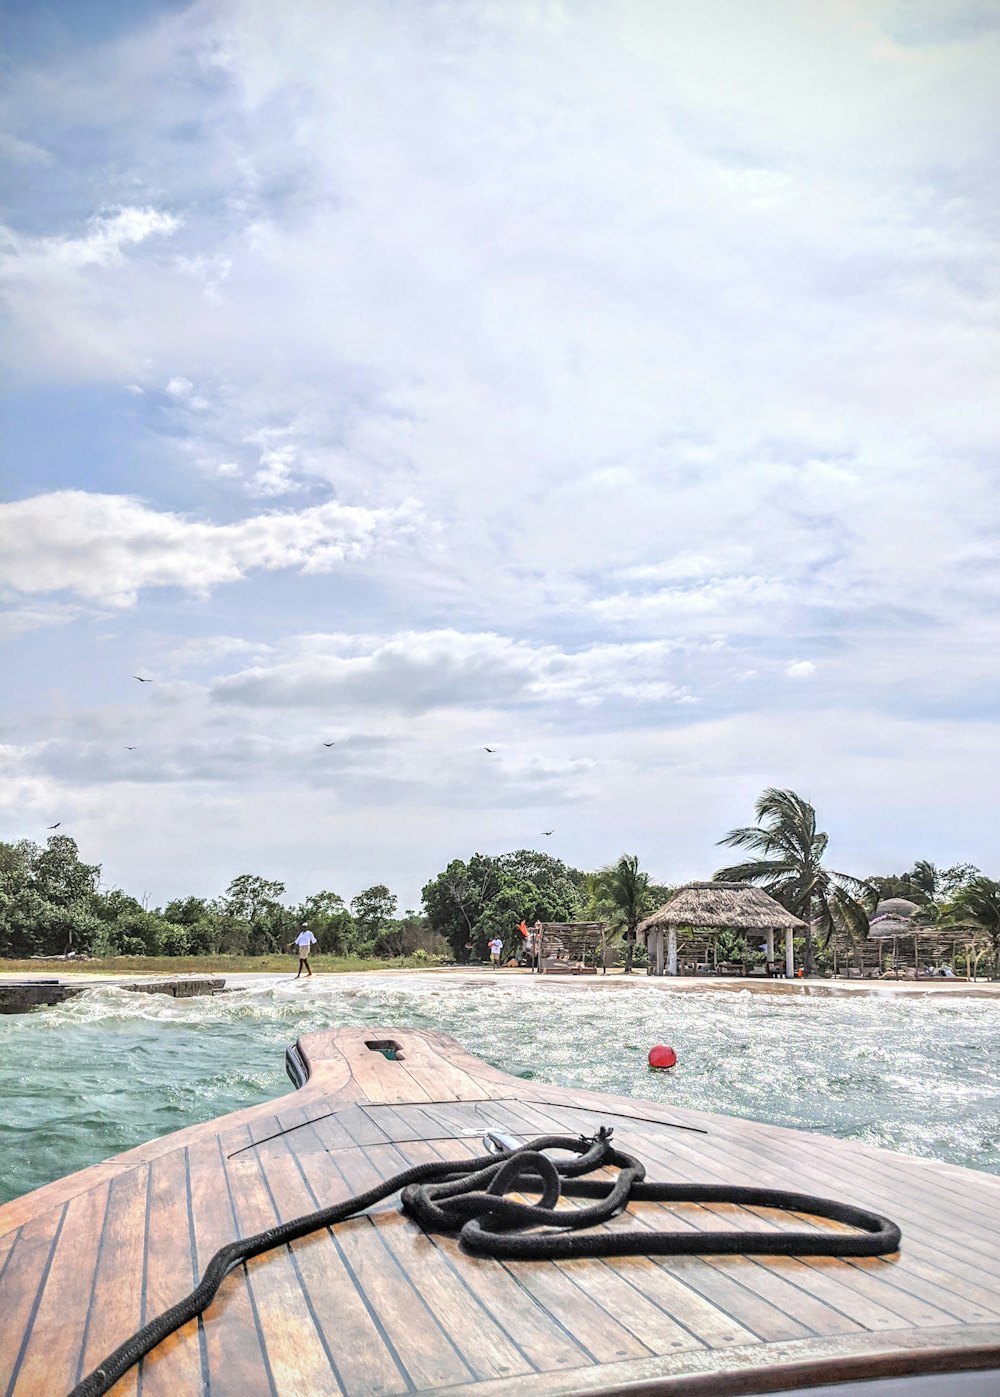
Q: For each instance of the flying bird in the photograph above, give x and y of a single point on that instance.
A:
(55, 826)
(489, 749)
(548, 831)
(129, 749)
(329, 744)
(141, 680)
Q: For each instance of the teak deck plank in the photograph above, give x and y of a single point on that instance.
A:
(21, 1290)
(456, 1309)
(49, 1360)
(297, 1351)
(237, 1361)
(169, 1273)
(544, 1343)
(425, 1353)
(116, 1300)
(373, 1307)
(365, 1362)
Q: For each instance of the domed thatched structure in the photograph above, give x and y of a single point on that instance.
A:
(894, 917)
(715, 907)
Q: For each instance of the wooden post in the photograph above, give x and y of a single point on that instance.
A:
(789, 954)
(659, 951)
(770, 943)
(671, 950)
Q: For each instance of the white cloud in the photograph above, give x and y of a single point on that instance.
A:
(107, 548)
(741, 602)
(416, 672)
(101, 246)
(19, 620)
(691, 378)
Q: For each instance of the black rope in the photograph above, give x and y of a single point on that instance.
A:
(467, 1197)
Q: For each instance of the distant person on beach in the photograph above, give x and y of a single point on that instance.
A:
(496, 947)
(305, 942)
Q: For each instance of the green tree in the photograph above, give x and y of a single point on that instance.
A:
(408, 934)
(625, 891)
(977, 905)
(127, 928)
(47, 898)
(951, 881)
(185, 911)
(455, 900)
(789, 866)
(59, 874)
(471, 902)
(329, 921)
(258, 921)
(250, 897)
(372, 910)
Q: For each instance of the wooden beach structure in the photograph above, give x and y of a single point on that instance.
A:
(569, 948)
(712, 907)
(898, 943)
(377, 1305)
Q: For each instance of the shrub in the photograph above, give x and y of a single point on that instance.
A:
(175, 941)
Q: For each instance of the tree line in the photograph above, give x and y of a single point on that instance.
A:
(51, 902)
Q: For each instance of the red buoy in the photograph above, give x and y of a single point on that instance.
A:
(662, 1056)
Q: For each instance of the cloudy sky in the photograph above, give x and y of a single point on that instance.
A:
(609, 382)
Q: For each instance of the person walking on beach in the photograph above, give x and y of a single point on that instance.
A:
(496, 946)
(305, 942)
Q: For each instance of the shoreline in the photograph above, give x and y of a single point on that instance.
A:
(476, 977)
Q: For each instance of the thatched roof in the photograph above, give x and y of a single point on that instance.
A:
(893, 917)
(735, 905)
(887, 927)
(895, 907)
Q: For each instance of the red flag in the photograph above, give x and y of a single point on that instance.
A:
(523, 929)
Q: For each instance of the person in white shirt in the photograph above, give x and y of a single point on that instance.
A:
(496, 946)
(305, 942)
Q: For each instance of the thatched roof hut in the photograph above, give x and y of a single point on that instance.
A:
(896, 907)
(893, 917)
(738, 906)
(712, 907)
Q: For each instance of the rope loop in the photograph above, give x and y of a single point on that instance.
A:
(472, 1198)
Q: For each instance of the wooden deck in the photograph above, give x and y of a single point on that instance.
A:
(375, 1306)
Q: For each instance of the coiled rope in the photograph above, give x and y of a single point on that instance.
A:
(468, 1197)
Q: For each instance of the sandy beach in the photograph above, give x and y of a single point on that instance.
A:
(614, 981)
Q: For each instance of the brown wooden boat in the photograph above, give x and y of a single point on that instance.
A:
(374, 1305)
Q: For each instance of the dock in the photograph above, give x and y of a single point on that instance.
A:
(376, 1305)
(21, 996)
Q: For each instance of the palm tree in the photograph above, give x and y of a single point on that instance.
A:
(626, 890)
(789, 867)
(978, 905)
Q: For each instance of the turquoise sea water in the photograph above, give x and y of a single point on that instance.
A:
(110, 1070)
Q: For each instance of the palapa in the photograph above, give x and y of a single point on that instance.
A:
(714, 906)
(737, 906)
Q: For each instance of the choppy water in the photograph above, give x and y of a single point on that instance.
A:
(110, 1070)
